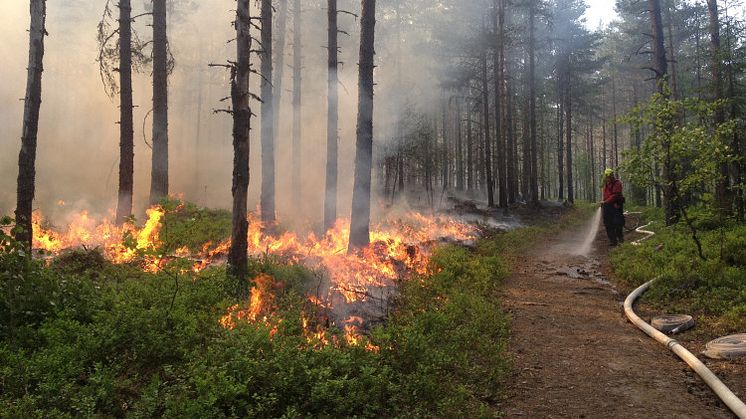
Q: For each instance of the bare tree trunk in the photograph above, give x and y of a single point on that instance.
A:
(469, 152)
(487, 140)
(568, 136)
(332, 129)
(126, 125)
(279, 57)
(159, 172)
(237, 257)
(502, 173)
(722, 195)
(560, 138)
(31, 107)
(670, 200)
(533, 165)
(297, 99)
(594, 192)
(268, 135)
(460, 174)
(670, 10)
(525, 151)
(616, 127)
(360, 220)
(511, 149)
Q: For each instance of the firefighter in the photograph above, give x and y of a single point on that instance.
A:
(613, 208)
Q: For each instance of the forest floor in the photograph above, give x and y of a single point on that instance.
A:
(574, 354)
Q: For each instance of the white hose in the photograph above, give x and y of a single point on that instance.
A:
(725, 394)
(642, 230)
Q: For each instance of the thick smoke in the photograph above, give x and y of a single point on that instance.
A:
(77, 160)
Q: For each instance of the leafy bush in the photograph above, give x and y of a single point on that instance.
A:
(186, 225)
(714, 288)
(83, 337)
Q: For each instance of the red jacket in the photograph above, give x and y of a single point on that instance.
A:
(613, 193)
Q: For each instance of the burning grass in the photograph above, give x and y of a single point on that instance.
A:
(84, 336)
(351, 286)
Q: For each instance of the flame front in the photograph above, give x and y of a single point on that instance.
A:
(399, 246)
(84, 231)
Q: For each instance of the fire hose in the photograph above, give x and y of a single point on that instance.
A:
(721, 390)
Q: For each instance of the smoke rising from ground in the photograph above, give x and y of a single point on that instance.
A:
(77, 160)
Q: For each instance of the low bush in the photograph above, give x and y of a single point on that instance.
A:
(714, 289)
(83, 337)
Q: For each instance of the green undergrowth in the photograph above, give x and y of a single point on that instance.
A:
(515, 242)
(714, 289)
(186, 225)
(81, 337)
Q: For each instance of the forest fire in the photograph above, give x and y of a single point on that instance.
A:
(353, 285)
(120, 244)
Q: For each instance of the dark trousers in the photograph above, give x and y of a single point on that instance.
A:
(614, 223)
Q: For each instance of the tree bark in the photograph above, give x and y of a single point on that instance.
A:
(237, 256)
(460, 173)
(297, 102)
(511, 148)
(360, 220)
(568, 136)
(722, 195)
(670, 200)
(32, 105)
(502, 173)
(487, 141)
(533, 164)
(268, 135)
(560, 137)
(332, 121)
(126, 124)
(616, 127)
(159, 171)
(279, 57)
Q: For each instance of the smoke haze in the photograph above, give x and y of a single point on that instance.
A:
(78, 146)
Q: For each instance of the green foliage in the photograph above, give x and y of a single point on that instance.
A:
(186, 225)
(678, 139)
(83, 337)
(715, 289)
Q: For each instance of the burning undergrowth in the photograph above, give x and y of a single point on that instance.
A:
(350, 292)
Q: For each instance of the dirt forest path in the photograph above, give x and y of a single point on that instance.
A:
(575, 355)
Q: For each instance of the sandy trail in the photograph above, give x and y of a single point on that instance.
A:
(574, 353)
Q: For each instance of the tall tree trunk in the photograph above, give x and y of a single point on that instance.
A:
(268, 135)
(568, 136)
(560, 138)
(738, 166)
(360, 220)
(511, 148)
(469, 152)
(332, 130)
(525, 151)
(533, 164)
(670, 202)
(487, 140)
(297, 99)
(722, 194)
(279, 57)
(237, 257)
(616, 127)
(460, 174)
(670, 11)
(126, 124)
(159, 172)
(502, 174)
(593, 158)
(31, 107)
